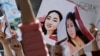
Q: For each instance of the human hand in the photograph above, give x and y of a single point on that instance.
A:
(15, 45)
(14, 34)
(1, 25)
(2, 37)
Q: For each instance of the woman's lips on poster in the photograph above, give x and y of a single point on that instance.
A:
(49, 25)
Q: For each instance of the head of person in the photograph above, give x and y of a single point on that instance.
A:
(52, 21)
(98, 35)
(73, 30)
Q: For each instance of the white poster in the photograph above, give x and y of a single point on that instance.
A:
(61, 19)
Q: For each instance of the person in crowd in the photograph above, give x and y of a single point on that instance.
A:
(11, 44)
(15, 45)
(95, 48)
(3, 41)
(98, 38)
(5, 44)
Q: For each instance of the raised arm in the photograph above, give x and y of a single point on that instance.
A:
(26, 11)
(32, 41)
(5, 44)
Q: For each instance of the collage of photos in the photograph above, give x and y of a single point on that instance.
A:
(63, 26)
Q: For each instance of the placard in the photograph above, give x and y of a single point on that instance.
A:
(68, 24)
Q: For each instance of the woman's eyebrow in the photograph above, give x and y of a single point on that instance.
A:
(55, 18)
(49, 16)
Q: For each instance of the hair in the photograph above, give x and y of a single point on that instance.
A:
(60, 16)
(97, 33)
(71, 16)
(1, 13)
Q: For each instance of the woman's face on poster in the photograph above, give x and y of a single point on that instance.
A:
(52, 21)
(71, 28)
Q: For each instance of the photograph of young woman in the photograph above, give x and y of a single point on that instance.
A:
(76, 39)
(50, 25)
(49, 28)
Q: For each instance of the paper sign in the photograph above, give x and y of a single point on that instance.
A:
(70, 25)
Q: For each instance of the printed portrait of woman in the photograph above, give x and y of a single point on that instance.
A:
(49, 28)
(50, 25)
(76, 39)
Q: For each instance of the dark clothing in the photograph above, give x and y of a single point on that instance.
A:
(1, 14)
(96, 53)
(83, 55)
